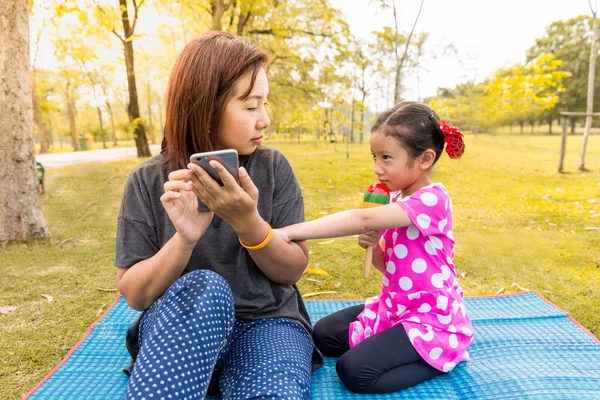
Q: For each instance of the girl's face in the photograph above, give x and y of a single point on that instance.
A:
(394, 167)
(244, 120)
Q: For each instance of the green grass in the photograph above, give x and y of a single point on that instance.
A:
(518, 222)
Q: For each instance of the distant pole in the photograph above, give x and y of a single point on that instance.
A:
(590, 91)
(563, 147)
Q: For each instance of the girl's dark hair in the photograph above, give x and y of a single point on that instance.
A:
(414, 125)
(201, 83)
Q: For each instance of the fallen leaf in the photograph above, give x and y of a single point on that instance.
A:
(463, 275)
(317, 271)
(591, 228)
(521, 288)
(23, 246)
(48, 297)
(313, 280)
(500, 290)
(327, 241)
(336, 285)
(547, 291)
(317, 293)
(551, 224)
(7, 309)
(310, 253)
(106, 290)
(100, 310)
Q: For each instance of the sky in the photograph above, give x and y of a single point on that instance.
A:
(489, 34)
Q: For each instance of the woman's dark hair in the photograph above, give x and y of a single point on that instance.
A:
(414, 125)
(201, 83)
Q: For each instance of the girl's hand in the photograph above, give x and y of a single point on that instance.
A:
(283, 234)
(368, 239)
(182, 207)
(234, 204)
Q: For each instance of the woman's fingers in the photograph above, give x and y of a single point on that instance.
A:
(176, 186)
(247, 183)
(169, 196)
(180, 174)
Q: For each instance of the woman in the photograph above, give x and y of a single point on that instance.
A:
(218, 289)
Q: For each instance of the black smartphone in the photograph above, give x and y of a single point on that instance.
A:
(228, 158)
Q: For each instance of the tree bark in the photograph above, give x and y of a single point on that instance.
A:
(37, 116)
(20, 213)
(133, 109)
(150, 126)
(71, 117)
(590, 94)
(218, 8)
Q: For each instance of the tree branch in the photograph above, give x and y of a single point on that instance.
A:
(271, 32)
(113, 31)
(409, 36)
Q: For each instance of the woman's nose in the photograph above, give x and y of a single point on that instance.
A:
(263, 121)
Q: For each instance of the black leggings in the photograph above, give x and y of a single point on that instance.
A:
(384, 363)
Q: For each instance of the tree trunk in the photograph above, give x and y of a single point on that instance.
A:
(590, 94)
(20, 213)
(521, 125)
(112, 122)
(352, 121)
(102, 134)
(550, 121)
(133, 109)
(71, 117)
(160, 119)
(150, 127)
(37, 116)
(218, 9)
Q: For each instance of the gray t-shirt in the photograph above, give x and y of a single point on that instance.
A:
(144, 227)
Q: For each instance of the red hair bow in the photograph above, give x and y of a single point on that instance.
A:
(455, 146)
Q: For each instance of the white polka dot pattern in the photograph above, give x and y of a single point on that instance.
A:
(189, 338)
(420, 289)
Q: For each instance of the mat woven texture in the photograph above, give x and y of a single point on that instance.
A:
(524, 348)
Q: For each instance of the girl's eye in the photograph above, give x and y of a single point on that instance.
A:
(252, 109)
(386, 157)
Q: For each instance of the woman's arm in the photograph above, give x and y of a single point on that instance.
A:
(280, 261)
(144, 282)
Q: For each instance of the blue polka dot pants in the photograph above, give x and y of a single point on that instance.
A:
(190, 341)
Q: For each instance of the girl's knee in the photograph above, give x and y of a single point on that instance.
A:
(320, 335)
(349, 372)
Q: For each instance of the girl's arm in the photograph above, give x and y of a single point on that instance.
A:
(349, 222)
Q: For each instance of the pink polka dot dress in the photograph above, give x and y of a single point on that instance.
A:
(420, 290)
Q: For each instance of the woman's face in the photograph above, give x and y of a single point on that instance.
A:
(244, 120)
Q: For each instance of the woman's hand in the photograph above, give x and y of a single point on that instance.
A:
(234, 204)
(182, 207)
(368, 239)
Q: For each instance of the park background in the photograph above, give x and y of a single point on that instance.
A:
(520, 225)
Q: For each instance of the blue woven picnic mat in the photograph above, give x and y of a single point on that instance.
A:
(523, 348)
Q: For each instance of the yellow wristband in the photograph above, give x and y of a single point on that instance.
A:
(261, 244)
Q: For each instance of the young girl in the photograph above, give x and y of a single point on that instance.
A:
(418, 326)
